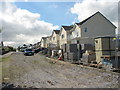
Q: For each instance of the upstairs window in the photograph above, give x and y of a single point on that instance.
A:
(62, 36)
(85, 30)
(77, 34)
(53, 38)
(96, 41)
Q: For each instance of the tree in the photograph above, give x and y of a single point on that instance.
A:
(24, 45)
(30, 44)
(19, 48)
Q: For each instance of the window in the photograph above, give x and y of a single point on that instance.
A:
(77, 34)
(77, 41)
(53, 38)
(85, 30)
(96, 41)
(62, 36)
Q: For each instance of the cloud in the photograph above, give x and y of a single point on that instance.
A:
(86, 8)
(22, 26)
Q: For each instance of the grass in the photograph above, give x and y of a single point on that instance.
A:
(4, 66)
(4, 58)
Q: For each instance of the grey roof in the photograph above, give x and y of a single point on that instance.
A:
(56, 31)
(67, 27)
(48, 36)
(93, 16)
(44, 37)
(87, 19)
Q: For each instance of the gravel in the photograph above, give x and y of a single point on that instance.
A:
(38, 72)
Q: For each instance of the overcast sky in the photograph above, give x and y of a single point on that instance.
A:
(26, 22)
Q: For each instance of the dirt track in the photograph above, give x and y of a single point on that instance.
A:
(38, 72)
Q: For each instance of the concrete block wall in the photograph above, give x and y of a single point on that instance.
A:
(70, 52)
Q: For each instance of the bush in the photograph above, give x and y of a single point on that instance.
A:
(6, 49)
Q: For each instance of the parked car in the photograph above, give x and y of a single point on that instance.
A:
(37, 50)
(44, 51)
(29, 52)
(22, 50)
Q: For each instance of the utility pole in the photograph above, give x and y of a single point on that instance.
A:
(116, 52)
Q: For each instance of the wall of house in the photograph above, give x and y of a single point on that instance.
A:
(48, 41)
(76, 32)
(97, 26)
(55, 39)
(43, 43)
(58, 40)
(63, 40)
(87, 41)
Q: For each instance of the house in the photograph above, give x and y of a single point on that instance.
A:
(48, 41)
(43, 42)
(65, 35)
(94, 26)
(55, 38)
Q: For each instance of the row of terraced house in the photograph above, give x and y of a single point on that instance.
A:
(84, 32)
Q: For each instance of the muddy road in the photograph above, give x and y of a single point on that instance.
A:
(38, 72)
